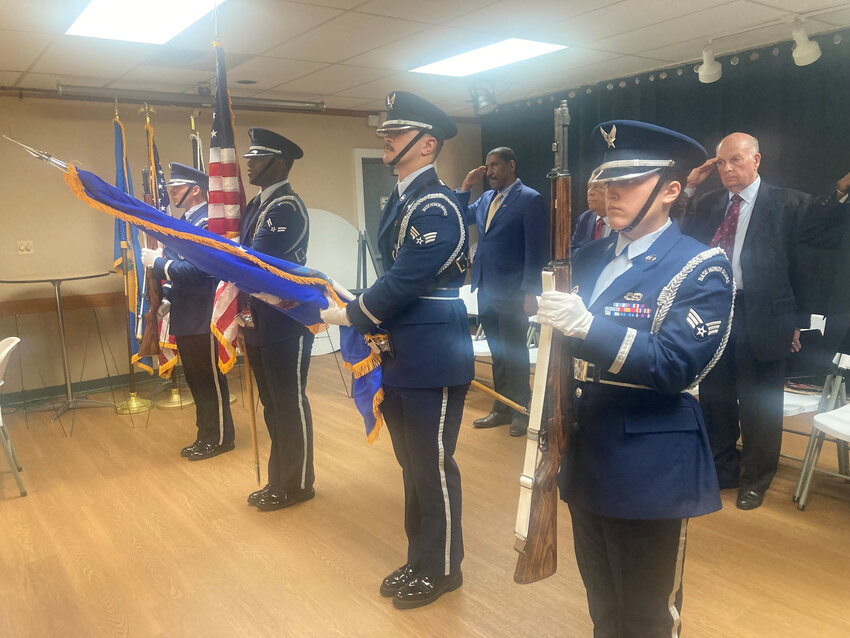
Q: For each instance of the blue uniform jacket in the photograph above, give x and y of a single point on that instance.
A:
(192, 290)
(427, 323)
(512, 253)
(280, 227)
(644, 453)
(583, 233)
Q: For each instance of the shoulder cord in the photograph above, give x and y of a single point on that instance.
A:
(668, 295)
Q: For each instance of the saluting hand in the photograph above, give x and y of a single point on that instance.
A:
(473, 177)
(843, 186)
(700, 173)
(565, 312)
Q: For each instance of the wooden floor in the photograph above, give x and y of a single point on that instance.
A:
(119, 536)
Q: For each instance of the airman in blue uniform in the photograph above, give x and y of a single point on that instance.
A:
(188, 295)
(276, 223)
(650, 317)
(426, 373)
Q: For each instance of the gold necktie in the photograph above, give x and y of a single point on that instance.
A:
(494, 206)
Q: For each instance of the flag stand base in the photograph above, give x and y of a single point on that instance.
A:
(175, 400)
(133, 405)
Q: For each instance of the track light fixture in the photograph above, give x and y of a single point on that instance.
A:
(710, 69)
(483, 100)
(805, 50)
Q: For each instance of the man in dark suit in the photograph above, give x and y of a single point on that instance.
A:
(512, 250)
(189, 302)
(276, 223)
(591, 224)
(755, 223)
(429, 363)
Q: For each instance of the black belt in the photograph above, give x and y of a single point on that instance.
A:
(591, 373)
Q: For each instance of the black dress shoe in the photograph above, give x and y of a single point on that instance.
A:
(749, 499)
(395, 581)
(492, 420)
(254, 497)
(423, 590)
(209, 450)
(186, 451)
(519, 426)
(278, 500)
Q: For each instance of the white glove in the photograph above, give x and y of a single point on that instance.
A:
(163, 310)
(149, 256)
(334, 314)
(566, 312)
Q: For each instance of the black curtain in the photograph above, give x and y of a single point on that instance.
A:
(799, 115)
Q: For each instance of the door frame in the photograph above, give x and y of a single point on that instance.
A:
(359, 155)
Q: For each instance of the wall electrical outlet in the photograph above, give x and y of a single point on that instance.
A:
(25, 247)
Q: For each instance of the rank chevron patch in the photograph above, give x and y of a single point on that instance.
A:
(420, 239)
(701, 329)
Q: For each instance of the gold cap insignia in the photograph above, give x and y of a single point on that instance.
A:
(390, 101)
(633, 296)
(611, 136)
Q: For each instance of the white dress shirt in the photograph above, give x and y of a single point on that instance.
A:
(623, 260)
(268, 190)
(402, 184)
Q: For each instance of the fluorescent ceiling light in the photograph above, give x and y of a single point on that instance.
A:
(151, 22)
(489, 57)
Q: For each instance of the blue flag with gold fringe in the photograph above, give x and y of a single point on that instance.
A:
(276, 281)
(127, 235)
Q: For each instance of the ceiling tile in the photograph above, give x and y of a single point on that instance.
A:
(424, 47)
(271, 72)
(335, 78)
(527, 19)
(336, 4)
(839, 18)
(48, 81)
(74, 55)
(548, 69)
(8, 78)
(622, 17)
(433, 11)
(255, 26)
(18, 50)
(437, 89)
(798, 6)
(701, 25)
(334, 41)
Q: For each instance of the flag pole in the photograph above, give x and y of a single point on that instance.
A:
(134, 403)
(252, 415)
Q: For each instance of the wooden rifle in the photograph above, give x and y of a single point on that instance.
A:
(147, 324)
(550, 420)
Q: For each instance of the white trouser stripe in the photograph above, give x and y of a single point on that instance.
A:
(442, 467)
(301, 411)
(217, 391)
(677, 581)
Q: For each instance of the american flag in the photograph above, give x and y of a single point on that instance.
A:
(159, 194)
(226, 203)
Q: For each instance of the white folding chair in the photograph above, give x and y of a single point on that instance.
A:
(833, 420)
(6, 347)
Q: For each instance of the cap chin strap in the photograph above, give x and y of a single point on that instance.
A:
(185, 195)
(643, 211)
(403, 151)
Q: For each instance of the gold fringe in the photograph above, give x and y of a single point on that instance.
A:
(379, 418)
(137, 361)
(364, 367)
(165, 369)
(224, 366)
(79, 189)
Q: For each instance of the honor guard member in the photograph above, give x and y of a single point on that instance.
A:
(276, 223)
(650, 315)
(188, 295)
(429, 363)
